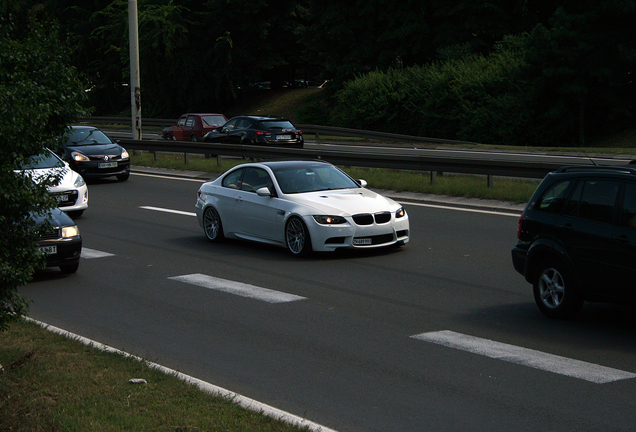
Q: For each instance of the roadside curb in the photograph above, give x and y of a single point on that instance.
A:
(242, 401)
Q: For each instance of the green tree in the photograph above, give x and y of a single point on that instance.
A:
(40, 94)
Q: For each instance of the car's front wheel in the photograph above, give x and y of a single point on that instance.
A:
(212, 224)
(297, 237)
(555, 291)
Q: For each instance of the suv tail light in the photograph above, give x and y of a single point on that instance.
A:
(263, 133)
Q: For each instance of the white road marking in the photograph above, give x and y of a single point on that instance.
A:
(92, 253)
(172, 178)
(464, 209)
(237, 288)
(165, 210)
(526, 357)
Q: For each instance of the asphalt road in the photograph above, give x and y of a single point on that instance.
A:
(440, 335)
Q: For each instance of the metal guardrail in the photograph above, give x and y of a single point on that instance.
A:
(378, 159)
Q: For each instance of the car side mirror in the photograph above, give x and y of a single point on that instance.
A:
(362, 183)
(264, 191)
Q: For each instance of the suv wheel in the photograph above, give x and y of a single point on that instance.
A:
(555, 291)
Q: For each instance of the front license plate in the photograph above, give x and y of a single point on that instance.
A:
(49, 250)
(283, 137)
(62, 198)
(107, 165)
(362, 241)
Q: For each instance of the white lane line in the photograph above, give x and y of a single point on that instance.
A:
(92, 253)
(165, 210)
(464, 209)
(173, 178)
(526, 357)
(237, 288)
(243, 401)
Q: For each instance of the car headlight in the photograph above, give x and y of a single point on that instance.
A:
(70, 231)
(329, 220)
(79, 157)
(400, 213)
(79, 181)
(124, 154)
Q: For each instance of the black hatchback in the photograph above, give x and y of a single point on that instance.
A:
(257, 130)
(91, 153)
(577, 239)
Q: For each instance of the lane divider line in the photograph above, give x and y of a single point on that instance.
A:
(527, 357)
(237, 288)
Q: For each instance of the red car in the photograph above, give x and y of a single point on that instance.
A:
(193, 126)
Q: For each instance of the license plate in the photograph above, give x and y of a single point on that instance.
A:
(362, 241)
(49, 250)
(107, 165)
(62, 198)
(283, 137)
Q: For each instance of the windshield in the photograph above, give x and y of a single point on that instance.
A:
(43, 161)
(87, 137)
(215, 120)
(311, 178)
(276, 124)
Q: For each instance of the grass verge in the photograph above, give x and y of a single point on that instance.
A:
(52, 383)
(468, 186)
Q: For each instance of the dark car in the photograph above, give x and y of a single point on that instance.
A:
(63, 243)
(577, 239)
(257, 130)
(193, 126)
(92, 154)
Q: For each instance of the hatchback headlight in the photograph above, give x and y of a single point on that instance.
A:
(79, 181)
(330, 220)
(79, 157)
(70, 231)
(124, 154)
(400, 213)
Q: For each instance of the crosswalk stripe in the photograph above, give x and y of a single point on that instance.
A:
(92, 253)
(237, 288)
(526, 357)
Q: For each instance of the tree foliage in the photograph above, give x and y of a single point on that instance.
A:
(40, 95)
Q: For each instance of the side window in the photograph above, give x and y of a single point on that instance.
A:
(553, 198)
(243, 123)
(230, 126)
(628, 214)
(594, 200)
(232, 180)
(181, 121)
(190, 121)
(254, 179)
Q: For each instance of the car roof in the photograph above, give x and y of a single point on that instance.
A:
(293, 163)
(596, 169)
(80, 127)
(202, 114)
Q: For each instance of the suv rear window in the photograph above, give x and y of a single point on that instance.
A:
(553, 198)
(277, 124)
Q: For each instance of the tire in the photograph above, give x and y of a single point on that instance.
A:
(297, 237)
(556, 293)
(194, 138)
(123, 177)
(212, 226)
(75, 214)
(69, 268)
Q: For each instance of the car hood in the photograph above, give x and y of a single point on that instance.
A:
(345, 202)
(58, 218)
(67, 180)
(97, 149)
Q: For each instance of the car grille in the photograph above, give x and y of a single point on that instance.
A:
(51, 235)
(367, 218)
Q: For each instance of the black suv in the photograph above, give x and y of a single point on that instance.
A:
(577, 239)
(257, 130)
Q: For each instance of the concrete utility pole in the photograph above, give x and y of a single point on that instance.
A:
(135, 86)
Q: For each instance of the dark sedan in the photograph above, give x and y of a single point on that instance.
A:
(62, 244)
(256, 130)
(92, 154)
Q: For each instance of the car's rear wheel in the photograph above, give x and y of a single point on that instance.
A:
(212, 224)
(555, 291)
(297, 237)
